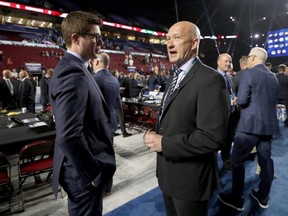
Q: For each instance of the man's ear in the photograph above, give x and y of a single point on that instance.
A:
(74, 38)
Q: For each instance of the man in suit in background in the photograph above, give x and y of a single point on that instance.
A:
(108, 85)
(224, 63)
(84, 159)
(257, 97)
(110, 88)
(26, 94)
(236, 78)
(192, 127)
(119, 109)
(44, 87)
(283, 89)
(7, 91)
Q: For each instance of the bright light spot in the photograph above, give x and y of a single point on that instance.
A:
(256, 36)
(264, 18)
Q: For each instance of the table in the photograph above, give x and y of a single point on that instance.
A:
(13, 139)
(152, 104)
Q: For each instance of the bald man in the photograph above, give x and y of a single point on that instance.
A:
(7, 91)
(192, 127)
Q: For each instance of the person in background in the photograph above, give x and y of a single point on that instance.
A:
(257, 97)
(243, 67)
(119, 109)
(44, 87)
(26, 92)
(7, 91)
(269, 66)
(224, 62)
(109, 87)
(84, 159)
(283, 88)
(34, 82)
(192, 127)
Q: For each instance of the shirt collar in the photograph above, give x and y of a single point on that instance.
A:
(221, 71)
(86, 64)
(188, 65)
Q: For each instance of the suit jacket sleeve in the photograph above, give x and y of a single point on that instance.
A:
(244, 90)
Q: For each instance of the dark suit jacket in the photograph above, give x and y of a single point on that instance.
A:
(8, 100)
(44, 87)
(193, 125)
(26, 94)
(283, 86)
(257, 98)
(110, 89)
(82, 122)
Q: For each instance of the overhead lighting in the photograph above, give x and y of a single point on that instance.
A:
(264, 18)
(256, 36)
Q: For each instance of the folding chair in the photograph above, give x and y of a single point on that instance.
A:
(35, 160)
(5, 186)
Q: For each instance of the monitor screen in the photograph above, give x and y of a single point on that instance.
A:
(277, 43)
(33, 67)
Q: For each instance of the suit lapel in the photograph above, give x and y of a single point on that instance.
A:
(189, 76)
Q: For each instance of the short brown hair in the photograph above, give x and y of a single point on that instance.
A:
(78, 22)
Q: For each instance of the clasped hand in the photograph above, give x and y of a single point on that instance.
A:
(153, 141)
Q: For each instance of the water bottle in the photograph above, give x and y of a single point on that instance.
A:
(278, 110)
(140, 97)
(283, 114)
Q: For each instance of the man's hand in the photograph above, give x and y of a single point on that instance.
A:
(153, 141)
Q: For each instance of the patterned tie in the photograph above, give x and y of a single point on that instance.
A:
(10, 86)
(228, 86)
(171, 87)
(230, 91)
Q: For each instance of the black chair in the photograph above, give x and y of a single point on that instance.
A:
(5, 186)
(35, 160)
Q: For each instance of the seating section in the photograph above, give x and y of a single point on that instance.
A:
(117, 62)
(27, 54)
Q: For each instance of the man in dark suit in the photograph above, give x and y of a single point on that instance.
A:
(110, 88)
(192, 126)
(283, 89)
(44, 88)
(7, 91)
(243, 67)
(26, 93)
(257, 97)
(108, 85)
(224, 63)
(84, 159)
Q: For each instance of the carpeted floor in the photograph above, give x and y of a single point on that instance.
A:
(151, 203)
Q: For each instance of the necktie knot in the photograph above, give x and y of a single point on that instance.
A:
(177, 72)
(172, 86)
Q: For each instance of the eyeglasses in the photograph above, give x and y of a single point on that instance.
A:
(96, 36)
